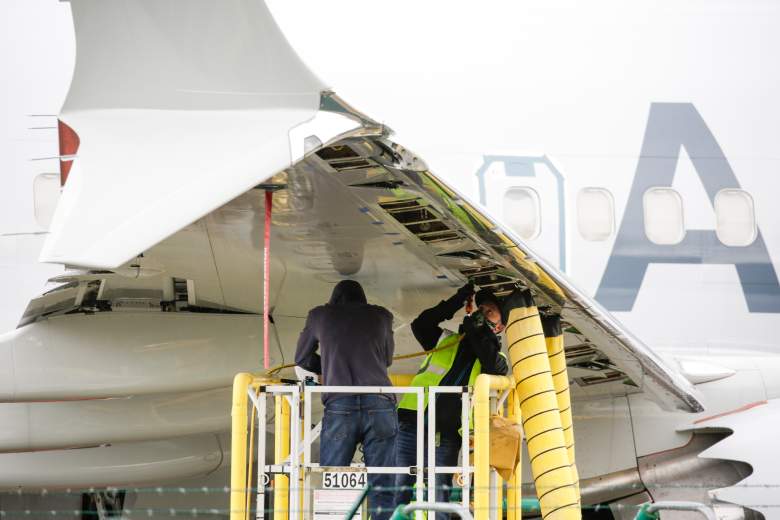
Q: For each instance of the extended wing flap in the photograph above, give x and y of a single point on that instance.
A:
(179, 107)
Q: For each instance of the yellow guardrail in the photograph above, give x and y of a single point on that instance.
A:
(238, 447)
(241, 455)
(484, 384)
(281, 452)
(514, 494)
(486, 505)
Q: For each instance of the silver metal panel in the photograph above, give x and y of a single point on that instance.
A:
(115, 465)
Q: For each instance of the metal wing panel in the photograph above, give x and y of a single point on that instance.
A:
(179, 107)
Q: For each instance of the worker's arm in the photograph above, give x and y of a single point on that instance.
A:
(500, 366)
(485, 346)
(389, 341)
(426, 326)
(306, 352)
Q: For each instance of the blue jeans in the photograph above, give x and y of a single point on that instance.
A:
(447, 449)
(369, 419)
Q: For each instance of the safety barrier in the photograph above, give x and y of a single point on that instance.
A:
(310, 436)
(293, 468)
(487, 488)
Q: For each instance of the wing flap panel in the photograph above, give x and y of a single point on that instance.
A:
(179, 107)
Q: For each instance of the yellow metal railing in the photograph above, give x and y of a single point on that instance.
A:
(487, 401)
(238, 447)
(514, 493)
(241, 478)
(482, 412)
(241, 457)
(281, 452)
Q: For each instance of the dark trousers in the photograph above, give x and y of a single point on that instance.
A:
(370, 420)
(447, 449)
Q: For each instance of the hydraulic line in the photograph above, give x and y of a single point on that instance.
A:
(550, 464)
(553, 337)
(402, 377)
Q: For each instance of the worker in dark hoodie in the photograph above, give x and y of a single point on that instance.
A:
(454, 359)
(355, 341)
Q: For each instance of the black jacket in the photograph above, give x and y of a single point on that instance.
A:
(355, 340)
(478, 343)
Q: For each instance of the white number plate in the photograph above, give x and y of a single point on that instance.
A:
(344, 480)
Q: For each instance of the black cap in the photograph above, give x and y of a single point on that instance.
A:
(347, 291)
(486, 296)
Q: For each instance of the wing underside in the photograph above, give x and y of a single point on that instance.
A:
(177, 123)
(365, 207)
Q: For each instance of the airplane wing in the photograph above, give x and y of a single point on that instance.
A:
(177, 148)
(365, 207)
(212, 102)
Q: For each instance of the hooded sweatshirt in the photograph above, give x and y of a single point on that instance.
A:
(354, 338)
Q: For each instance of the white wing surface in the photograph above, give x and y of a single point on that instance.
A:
(752, 427)
(179, 107)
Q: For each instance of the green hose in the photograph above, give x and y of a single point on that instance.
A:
(644, 514)
(357, 503)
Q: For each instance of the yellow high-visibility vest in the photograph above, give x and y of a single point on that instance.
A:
(434, 367)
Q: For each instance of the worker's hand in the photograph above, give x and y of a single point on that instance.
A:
(474, 325)
(466, 292)
(478, 334)
(301, 373)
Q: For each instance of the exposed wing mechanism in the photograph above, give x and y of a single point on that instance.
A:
(364, 206)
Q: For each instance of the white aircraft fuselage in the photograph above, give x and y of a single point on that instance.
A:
(632, 146)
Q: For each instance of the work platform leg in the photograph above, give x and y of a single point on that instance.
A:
(281, 452)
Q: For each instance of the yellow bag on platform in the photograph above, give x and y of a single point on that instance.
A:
(506, 437)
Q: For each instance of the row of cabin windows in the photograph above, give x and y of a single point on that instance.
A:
(663, 213)
(662, 208)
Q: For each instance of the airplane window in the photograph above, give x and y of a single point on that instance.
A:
(522, 212)
(595, 214)
(735, 218)
(663, 212)
(46, 193)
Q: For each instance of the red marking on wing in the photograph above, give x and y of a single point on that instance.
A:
(730, 412)
(69, 145)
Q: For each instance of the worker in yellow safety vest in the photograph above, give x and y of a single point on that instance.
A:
(454, 359)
